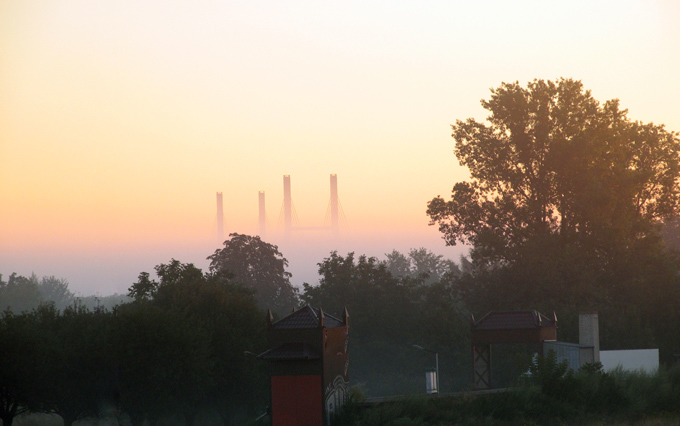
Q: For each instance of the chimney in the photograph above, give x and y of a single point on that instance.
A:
(287, 207)
(262, 215)
(220, 218)
(335, 222)
(589, 332)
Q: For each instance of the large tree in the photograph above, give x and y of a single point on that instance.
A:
(552, 161)
(53, 289)
(186, 334)
(257, 265)
(19, 294)
(563, 210)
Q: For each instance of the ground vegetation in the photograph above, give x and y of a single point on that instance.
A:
(551, 395)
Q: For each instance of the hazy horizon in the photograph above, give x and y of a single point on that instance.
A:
(119, 120)
(104, 273)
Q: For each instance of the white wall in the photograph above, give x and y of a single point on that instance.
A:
(631, 359)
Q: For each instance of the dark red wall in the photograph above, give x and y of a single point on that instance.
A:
(297, 401)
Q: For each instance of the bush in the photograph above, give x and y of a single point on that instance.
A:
(551, 395)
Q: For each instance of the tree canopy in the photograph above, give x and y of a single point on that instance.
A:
(257, 265)
(563, 210)
(387, 316)
(554, 162)
(420, 263)
(21, 294)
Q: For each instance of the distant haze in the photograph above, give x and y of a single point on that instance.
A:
(105, 271)
(120, 120)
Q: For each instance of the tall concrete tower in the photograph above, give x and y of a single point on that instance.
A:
(287, 207)
(335, 225)
(220, 218)
(263, 216)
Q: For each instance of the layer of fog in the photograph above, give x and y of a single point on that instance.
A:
(108, 270)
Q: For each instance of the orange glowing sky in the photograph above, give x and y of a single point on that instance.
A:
(119, 120)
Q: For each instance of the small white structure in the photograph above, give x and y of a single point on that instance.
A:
(431, 381)
(588, 350)
(646, 360)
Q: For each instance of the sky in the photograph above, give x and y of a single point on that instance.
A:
(120, 120)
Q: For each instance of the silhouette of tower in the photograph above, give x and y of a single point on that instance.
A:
(287, 207)
(333, 209)
(335, 225)
(220, 218)
(263, 216)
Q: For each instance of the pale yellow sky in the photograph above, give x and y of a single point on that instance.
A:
(119, 120)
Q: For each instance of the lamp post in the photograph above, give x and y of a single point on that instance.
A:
(436, 361)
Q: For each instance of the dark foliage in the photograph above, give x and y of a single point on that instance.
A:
(563, 213)
(388, 316)
(259, 266)
(176, 351)
(552, 395)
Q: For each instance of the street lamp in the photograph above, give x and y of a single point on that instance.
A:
(436, 361)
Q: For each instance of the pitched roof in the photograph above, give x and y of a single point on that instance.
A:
(290, 352)
(503, 320)
(306, 317)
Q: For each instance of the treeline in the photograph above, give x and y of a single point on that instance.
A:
(177, 348)
(19, 294)
(175, 353)
(570, 207)
(181, 345)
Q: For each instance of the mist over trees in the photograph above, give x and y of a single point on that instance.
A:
(571, 206)
(420, 263)
(20, 294)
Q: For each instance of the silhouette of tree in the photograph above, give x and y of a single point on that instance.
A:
(19, 377)
(388, 315)
(260, 266)
(420, 263)
(398, 264)
(192, 331)
(555, 165)
(53, 289)
(164, 363)
(563, 210)
(19, 293)
(77, 364)
(22, 294)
